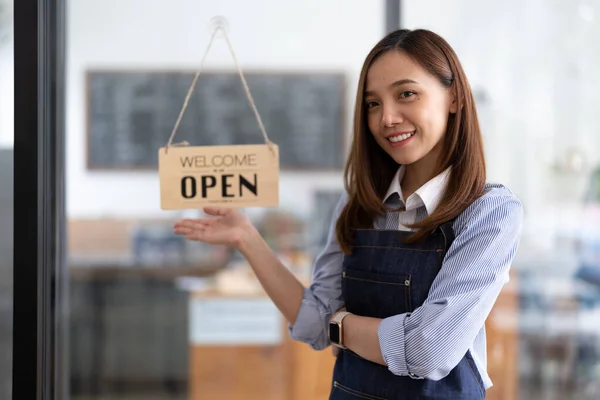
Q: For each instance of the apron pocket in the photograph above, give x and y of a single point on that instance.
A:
(351, 393)
(375, 294)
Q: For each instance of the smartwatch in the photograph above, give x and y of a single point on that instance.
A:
(336, 333)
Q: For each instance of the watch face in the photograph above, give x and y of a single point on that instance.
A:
(334, 332)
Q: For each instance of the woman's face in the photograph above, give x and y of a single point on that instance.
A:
(407, 109)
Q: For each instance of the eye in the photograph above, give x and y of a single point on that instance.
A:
(406, 94)
(371, 104)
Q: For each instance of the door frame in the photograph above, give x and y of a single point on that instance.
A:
(40, 274)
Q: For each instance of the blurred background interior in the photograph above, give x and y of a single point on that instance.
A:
(153, 317)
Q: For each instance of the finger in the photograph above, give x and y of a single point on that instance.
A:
(192, 223)
(191, 233)
(218, 211)
(188, 226)
(179, 224)
(182, 230)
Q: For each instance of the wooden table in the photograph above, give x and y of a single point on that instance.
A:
(259, 361)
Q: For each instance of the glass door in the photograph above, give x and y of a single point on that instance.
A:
(143, 324)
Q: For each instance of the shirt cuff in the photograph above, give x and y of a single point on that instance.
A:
(311, 325)
(391, 342)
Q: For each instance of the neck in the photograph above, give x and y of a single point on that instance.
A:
(420, 172)
(416, 175)
(413, 179)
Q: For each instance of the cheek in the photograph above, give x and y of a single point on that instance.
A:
(372, 122)
(431, 121)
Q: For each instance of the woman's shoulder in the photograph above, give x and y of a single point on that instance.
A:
(498, 204)
(497, 190)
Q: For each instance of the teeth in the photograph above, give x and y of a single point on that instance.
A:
(400, 138)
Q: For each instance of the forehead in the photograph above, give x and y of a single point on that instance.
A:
(392, 67)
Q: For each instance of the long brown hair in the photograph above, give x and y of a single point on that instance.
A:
(369, 169)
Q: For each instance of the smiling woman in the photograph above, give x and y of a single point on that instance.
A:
(417, 111)
(398, 110)
(419, 246)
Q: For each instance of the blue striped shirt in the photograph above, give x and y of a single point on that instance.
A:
(430, 341)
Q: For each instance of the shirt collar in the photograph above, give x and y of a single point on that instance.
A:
(395, 184)
(429, 195)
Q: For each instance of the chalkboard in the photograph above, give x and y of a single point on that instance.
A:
(131, 115)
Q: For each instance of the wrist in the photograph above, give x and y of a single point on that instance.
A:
(248, 238)
(337, 335)
(336, 313)
(347, 336)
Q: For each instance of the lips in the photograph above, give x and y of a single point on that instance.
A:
(399, 137)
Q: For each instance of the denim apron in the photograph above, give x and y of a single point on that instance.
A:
(385, 277)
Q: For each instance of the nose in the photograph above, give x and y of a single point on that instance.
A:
(391, 117)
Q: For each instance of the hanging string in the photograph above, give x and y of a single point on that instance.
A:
(244, 83)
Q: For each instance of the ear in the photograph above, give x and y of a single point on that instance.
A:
(453, 102)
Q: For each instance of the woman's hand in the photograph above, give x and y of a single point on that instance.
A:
(226, 226)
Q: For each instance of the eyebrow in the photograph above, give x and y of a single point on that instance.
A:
(394, 84)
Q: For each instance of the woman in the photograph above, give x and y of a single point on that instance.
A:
(419, 247)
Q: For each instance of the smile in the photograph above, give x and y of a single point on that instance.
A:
(400, 138)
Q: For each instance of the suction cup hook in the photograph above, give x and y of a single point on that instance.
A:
(219, 23)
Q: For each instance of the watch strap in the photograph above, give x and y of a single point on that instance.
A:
(338, 319)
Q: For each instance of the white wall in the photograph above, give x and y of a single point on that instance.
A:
(154, 34)
(538, 62)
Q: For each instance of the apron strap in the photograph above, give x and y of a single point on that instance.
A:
(447, 231)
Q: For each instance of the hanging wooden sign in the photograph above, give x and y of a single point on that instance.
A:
(224, 176)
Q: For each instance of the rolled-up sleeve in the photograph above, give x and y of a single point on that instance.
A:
(431, 341)
(324, 296)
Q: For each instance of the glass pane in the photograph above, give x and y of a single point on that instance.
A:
(533, 66)
(142, 324)
(6, 196)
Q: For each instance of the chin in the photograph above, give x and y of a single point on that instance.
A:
(405, 159)
(402, 155)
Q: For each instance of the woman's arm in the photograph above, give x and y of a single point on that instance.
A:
(278, 282)
(308, 310)
(430, 341)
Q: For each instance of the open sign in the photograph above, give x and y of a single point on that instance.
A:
(233, 176)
